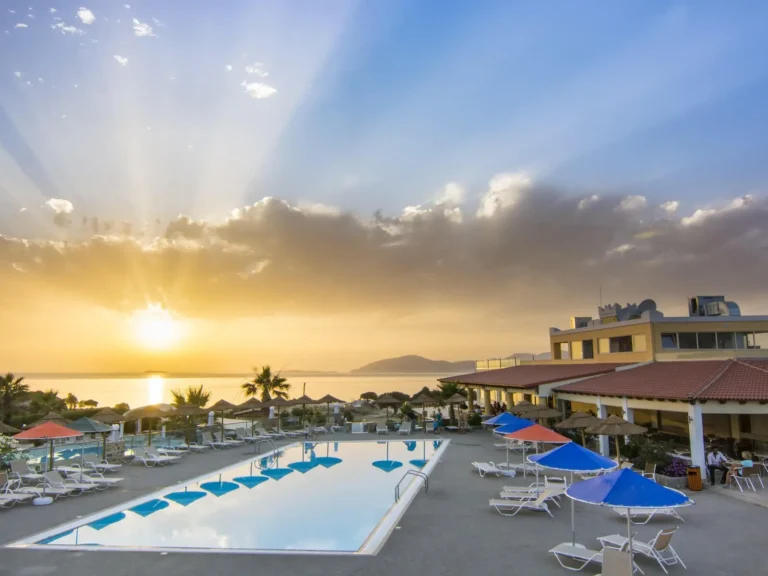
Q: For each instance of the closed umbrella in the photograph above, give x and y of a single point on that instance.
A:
(579, 421)
(616, 426)
(47, 431)
(222, 406)
(572, 458)
(626, 489)
(328, 399)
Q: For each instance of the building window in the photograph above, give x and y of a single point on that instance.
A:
(740, 340)
(725, 341)
(669, 341)
(638, 343)
(589, 348)
(687, 341)
(621, 344)
(707, 341)
(604, 346)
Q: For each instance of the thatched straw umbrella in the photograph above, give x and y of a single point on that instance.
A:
(579, 421)
(616, 426)
(222, 406)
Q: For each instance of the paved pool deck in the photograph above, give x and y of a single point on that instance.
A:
(449, 530)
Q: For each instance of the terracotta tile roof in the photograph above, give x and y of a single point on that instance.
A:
(531, 375)
(736, 379)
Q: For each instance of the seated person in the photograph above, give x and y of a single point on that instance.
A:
(716, 460)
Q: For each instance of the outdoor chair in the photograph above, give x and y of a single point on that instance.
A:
(382, 429)
(208, 440)
(659, 548)
(93, 462)
(637, 514)
(55, 480)
(405, 428)
(554, 494)
(744, 476)
(153, 452)
(650, 471)
(21, 471)
(511, 507)
(616, 563)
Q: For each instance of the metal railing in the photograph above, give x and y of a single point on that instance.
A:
(411, 473)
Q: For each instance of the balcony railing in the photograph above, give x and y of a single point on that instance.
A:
(668, 355)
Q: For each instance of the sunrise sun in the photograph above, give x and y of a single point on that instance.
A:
(155, 328)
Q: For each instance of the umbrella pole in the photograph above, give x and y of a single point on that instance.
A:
(50, 459)
(618, 453)
(583, 438)
(82, 457)
(278, 419)
(573, 515)
(629, 536)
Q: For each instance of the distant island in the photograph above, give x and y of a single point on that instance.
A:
(413, 364)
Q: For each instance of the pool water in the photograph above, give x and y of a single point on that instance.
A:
(312, 497)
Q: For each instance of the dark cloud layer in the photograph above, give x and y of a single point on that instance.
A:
(537, 245)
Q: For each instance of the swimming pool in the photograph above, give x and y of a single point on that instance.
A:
(310, 497)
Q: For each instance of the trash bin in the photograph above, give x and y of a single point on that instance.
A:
(694, 478)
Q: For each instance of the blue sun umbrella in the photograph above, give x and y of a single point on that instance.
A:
(436, 444)
(501, 419)
(387, 465)
(305, 466)
(410, 445)
(186, 497)
(276, 473)
(149, 507)
(572, 458)
(219, 487)
(250, 481)
(106, 521)
(626, 489)
(328, 461)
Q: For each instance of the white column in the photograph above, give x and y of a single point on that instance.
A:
(735, 427)
(122, 430)
(628, 414)
(138, 426)
(510, 400)
(602, 412)
(486, 401)
(162, 431)
(696, 433)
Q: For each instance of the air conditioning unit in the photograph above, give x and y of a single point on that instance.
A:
(712, 306)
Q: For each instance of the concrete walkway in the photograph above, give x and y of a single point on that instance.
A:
(450, 530)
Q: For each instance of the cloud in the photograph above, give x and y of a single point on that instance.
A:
(86, 16)
(122, 60)
(228, 67)
(526, 255)
(670, 206)
(17, 74)
(67, 29)
(504, 190)
(157, 23)
(60, 206)
(633, 203)
(127, 6)
(142, 28)
(258, 90)
(451, 194)
(585, 203)
(52, 10)
(256, 69)
(22, 209)
(21, 25)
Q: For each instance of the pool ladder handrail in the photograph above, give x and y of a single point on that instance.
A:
(416, 473)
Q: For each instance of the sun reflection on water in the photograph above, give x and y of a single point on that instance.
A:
(155, 387)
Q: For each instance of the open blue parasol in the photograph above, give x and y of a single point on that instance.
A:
(387, 465)
(149, 507)
(219, 487)
(626, 489)
(276, 473)
(250, 481)
(106, 521)
(572, 458)
(185, 497)
(502, 419)
(329, 461)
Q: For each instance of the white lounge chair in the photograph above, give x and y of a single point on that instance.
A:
(405, 428)
(509, 507)
(153, 452)
(208, 440)
(336, 428)
(484, 468)
(554, 494)
(382, 429)
(659, 548)
(180, 450)
(96, 478)
(196, 448)
(9, 498)
(21, 471)
(93, 462)
(43, 489)
(55, 480)
(575, 557)
(277, 433)
(637, 514)
(228, 442)
(616, 563)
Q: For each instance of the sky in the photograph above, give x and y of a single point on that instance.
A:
(208, 187)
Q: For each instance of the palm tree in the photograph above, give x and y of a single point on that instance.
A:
(267, 385)
(47, 401)
(198, 396)
(71, 401)
(11, 388)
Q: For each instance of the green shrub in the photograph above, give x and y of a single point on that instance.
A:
(474, 419)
